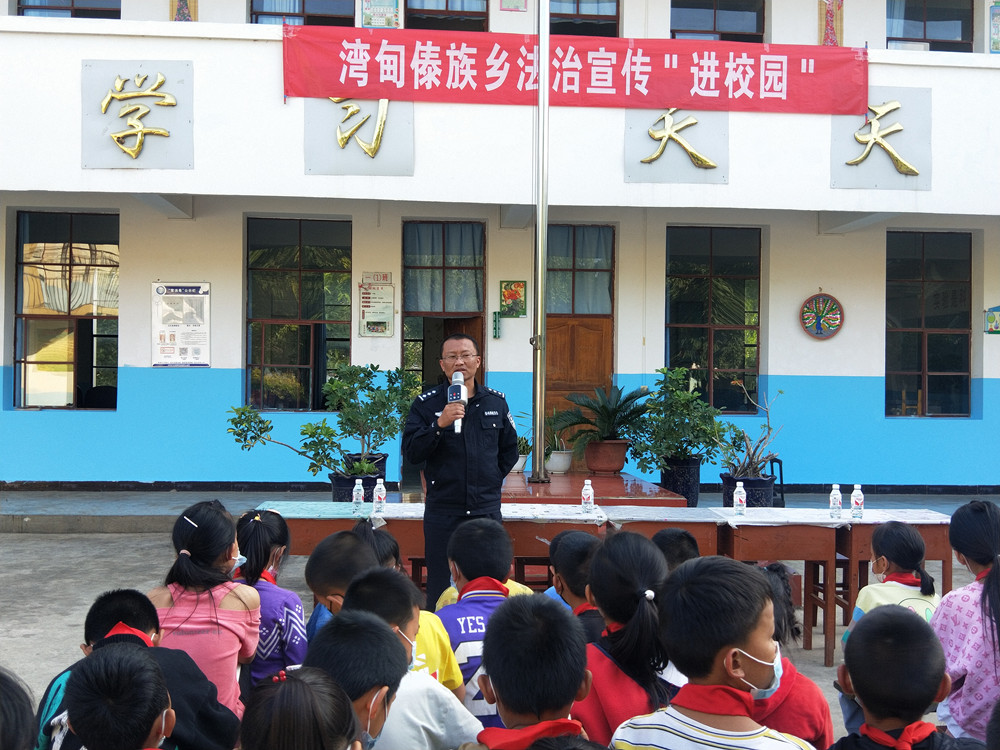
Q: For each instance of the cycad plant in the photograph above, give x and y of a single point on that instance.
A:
(612, 415)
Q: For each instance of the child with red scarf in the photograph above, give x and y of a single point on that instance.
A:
(718, 627)
(894, 663)
(535, 662)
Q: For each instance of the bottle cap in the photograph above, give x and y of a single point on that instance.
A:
(857, 486)
(739, 484)
(836, 486)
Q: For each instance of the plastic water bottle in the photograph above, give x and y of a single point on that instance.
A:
(357, 498)
(857, 502)
(378, 495)
(587, 496)
(739, 500)
(836, 501)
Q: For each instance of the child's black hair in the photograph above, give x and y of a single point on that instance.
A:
(259, 533)
(120, 605)
(201, 535)
(481, 547)
(896, 663)
(975, 532)
(336, 560)
(677, 545)
(383, 544)
(786, 624)
(902, 545)
(565, 742)
(711, 603)
(535, 654)
(301, 710)
(358, 651)
(18, 728)
(571, 557)
(627, 573)
(115, 696)
(384, 592)
(993, 729)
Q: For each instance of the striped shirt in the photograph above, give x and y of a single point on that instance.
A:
(668, 729)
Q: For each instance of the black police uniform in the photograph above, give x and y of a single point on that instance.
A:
(463, 471)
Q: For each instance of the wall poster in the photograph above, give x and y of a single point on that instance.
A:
(181, 324)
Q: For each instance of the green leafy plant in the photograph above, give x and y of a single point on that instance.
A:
(614, 416)
(741, 455)
(524, 446)
(319, 441)
(678, 424)
(554, 440)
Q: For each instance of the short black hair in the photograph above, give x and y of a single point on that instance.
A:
(305, 710)
(711, 603)
(18, 729)
(535, 654)
(114, 697)
(336, 560)
(571, 558)
(119, 605)
(359, 651)
(565, 742)
(677, 545)
(383, 544)
(481, 547)
(896, 663)
(384, 592)
(459, 337)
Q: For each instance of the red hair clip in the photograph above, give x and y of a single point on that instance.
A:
(280, 677)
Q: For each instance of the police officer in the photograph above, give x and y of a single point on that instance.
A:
(464, 471)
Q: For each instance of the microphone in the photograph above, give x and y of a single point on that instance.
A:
(458, 393)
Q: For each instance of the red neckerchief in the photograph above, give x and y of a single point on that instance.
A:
(585, 607)
(122, 629)
(913, 733)
(714, 699)
(498, 738)
(612, 627)
(983, 573)
(268, 576)
(484, 583)
(907, 579)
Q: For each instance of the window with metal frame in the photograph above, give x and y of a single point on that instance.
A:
(443, 267)
(723, 20)
(934, 25)
(70, 8)
(298, 310)
(928, 319)
(580, 275)
(303, 12)
(584, 17)
(713, 311)
(447, 15)
(66, 335)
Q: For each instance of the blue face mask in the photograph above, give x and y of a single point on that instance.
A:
(367, 741)
(758, 693)
(238, 561)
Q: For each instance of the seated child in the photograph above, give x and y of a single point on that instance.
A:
(127, 616)
(677, 545)
(570, 562)
(117, 700)
(798, 707)
(551, 590)
(359, 652)
(303, 709)
(895, 665)
(263, 537)
(433, 651)
(479, 556)
(719, 631)
(535, 662)
(18, 729)
(425, 714)
(329, 570)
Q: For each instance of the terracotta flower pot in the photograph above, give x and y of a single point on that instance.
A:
(606, 456)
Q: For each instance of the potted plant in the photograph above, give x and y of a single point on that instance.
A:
(745, 458)
(677, 434)
(370, 409)
(558, 456)
(523, 444)
(604, 436)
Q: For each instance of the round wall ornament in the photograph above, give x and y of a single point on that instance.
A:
(821, 316)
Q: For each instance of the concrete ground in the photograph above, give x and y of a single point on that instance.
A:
(87, 543)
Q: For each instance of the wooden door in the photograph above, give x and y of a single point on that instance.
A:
(578, 357)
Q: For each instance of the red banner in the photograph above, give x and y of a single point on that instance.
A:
(483, 68)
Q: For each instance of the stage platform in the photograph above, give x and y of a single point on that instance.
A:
(621, 489)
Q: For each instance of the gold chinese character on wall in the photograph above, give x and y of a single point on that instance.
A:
(876, 136)
(669, 132)
(350, 110)
(134, 112)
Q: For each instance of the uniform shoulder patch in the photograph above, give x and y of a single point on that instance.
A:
(495, 392)
(427, 394)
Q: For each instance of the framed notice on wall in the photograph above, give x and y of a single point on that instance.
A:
(376, 309)
(181, 324)
(380, 14)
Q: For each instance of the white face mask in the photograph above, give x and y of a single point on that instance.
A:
(163, 726)
(413, 649)
(758, 693)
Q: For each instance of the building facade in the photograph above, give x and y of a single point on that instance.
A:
(249, 241)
